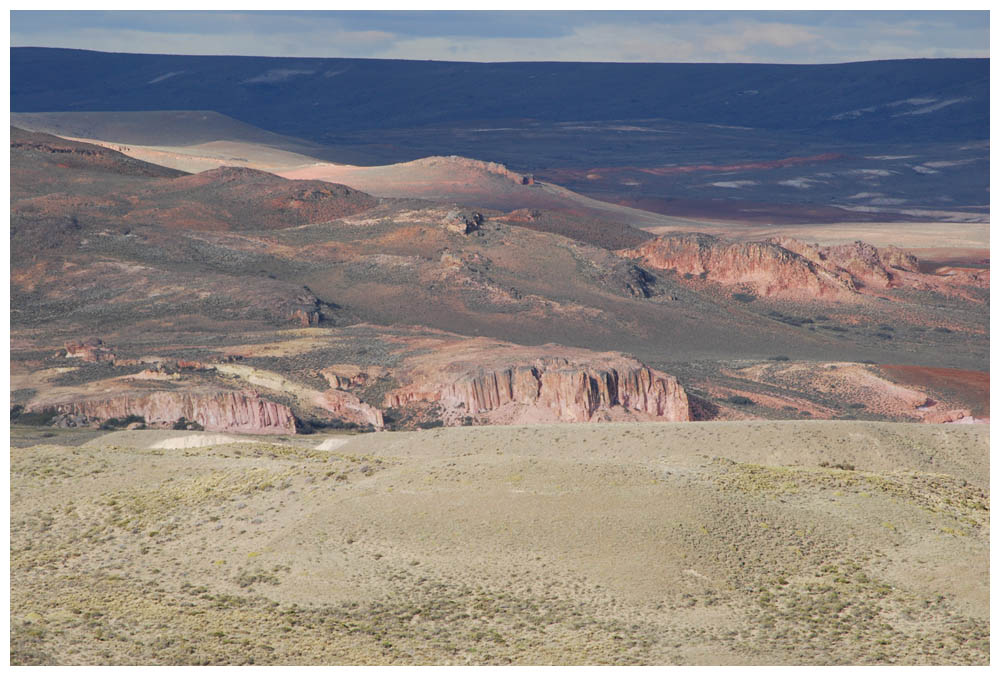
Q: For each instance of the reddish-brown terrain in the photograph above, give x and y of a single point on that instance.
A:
(972, 388)
(787, 268)
(136, 291)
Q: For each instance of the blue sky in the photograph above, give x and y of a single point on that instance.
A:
(722, 36)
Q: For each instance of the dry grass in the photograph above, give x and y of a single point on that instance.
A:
(561, 544)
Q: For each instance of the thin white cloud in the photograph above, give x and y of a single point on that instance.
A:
(730, 39)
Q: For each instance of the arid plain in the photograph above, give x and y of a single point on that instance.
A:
(815, 542)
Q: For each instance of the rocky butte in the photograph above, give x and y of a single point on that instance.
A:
(506, 383)
(217, 411)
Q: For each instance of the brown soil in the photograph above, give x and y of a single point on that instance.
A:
(970, 388)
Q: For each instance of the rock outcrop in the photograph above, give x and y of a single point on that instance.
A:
(463, 223)
(470, 165)
(504, 382)
(349, 408)
(346, 376)
(216, 411)
(766, 268)
(867, 265)
(90, 350)
(305, 310)
(783, 267)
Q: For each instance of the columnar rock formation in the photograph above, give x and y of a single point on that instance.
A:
(540, 383)
(218, 411)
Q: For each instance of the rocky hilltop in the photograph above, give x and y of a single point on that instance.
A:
(867, 265)
(790, 269)
(766, 268)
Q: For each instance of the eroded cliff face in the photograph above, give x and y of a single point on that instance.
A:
(217, 411)
(342, 405)
(349, 408)
(787, 268)
(767, 268)
(867, 265)
(508, 383)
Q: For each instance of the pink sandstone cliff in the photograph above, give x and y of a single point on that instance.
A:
(867, 264)
(783, 267)
(217, 411)
(546, 383)
(769, 269)
(347, 407)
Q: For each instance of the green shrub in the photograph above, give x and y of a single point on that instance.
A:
(740, 400)
(121, 423)
(185, 424)
(39, 418)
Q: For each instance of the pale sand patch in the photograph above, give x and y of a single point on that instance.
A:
(196, 441)
(332, 444)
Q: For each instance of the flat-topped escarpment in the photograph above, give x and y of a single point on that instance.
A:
(549, 383)
(790, 269)
(216, 411)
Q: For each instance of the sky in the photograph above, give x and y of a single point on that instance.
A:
(666, 36)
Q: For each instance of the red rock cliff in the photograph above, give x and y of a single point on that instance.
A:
(770, 269)
(220, 411)
(544, 383)
(866, 264)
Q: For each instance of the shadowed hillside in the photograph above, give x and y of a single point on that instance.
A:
(873, 141)
(881, 100)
